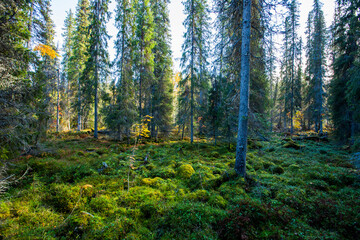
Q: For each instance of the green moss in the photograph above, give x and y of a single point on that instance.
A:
(189, 221)
(103, 204)
(276, 169)
(166, 172)
(151, 181)
(198, 195)
(291, 144)
(185, 171)
(217, 201)
(63, 198)
(288, 193)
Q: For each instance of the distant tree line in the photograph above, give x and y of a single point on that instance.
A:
(87, 90)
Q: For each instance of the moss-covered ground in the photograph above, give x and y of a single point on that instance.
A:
(100, 189)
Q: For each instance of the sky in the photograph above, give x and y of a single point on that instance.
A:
(60, 7)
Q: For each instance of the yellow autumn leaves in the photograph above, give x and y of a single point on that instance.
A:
(46, 50)
(142, 128)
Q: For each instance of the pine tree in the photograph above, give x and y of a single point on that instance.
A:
(96, 69)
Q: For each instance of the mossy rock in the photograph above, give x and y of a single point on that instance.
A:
(185, 171)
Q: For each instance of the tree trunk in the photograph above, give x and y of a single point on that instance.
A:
(192, 76)
(58, 101)
(79, 106)
(240, 163)
(96, 82)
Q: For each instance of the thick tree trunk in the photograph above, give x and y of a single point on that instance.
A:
(240, 163)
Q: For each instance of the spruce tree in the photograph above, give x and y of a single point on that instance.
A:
(194, 58)
(316, 31)
(69, 69)
(291, 83)
(78, 60)
(16, 114)
(161, 87)
(97, 65)
(344, 107)
(45, 74)
(121, 113)
(144, 56)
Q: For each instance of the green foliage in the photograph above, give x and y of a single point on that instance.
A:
(296, 194)
(185, 171)
(187, 220)
(344, 87)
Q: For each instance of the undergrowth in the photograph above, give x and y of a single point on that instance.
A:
(100, 189)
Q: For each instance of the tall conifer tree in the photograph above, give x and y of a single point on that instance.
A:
(144, 56)
(162, 87)
(194, 59)
(68, 66)
(97, 65)
(344, 107)
(78, 60)
(316, 63)
(121, 113)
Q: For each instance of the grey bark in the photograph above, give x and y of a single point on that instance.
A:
(192, 75)
(79, 106)
(240, 163)
(58, 101)
(96, 82)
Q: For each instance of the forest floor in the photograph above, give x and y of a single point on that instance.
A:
(85, 188)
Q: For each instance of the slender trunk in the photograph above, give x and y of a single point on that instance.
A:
(28, 44)
(240, 163)
(96, 102)
(292, 77)
(140, 86)
(79, 106)
(58, 101)
(183, 130)
(192, 75)
(96, 81)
